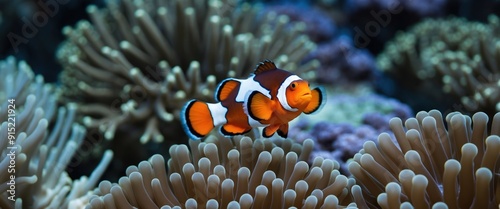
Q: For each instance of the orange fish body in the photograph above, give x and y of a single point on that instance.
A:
(270, 98)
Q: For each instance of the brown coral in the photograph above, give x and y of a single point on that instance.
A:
(229, 173)
(139, 61)
(433, 166)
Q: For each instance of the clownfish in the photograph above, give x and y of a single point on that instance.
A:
(269, 98)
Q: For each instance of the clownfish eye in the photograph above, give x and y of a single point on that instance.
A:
(293, 85)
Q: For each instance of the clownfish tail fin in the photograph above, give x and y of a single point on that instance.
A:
(198, 120)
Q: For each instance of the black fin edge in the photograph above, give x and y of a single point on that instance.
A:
(248, 106)
(188, 128)
(220, 87)
(264, 133)
(282, 134)
(227, 133)
(322, 96)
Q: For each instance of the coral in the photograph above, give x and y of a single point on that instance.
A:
(357, 108)
(319, 26)
(229, 173)
(35, 157)
(472, 77)
(138, 62)
(410, 52)
(426, 8)
(29, 30)
(340, 141)
(338, 135)
(461, 57)
(342, 63)
(431, 165)
(374, 22)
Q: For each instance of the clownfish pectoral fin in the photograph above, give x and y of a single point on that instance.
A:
(231, 130)
(269, 130)
(317, 101)
(283, 130)
(225, 88)
(196, 119)
(258, 106)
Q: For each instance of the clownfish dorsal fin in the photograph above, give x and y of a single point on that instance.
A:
(225, 88)
(264, 66)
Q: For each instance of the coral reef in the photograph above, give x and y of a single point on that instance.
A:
(357, 107)
(127, 68)
(175, 51)
(461, 57)
(229, 173)
(34, 158)
(339, 135)
(29, 31)
(342, 63)
(374, 22)
(433, 165)
(318, 26)
(428, 8)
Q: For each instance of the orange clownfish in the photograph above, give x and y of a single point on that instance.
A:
(269, 98)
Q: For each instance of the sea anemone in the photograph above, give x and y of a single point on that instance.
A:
(431, 165)
(138, 62)
(338, 135)
(37, 157)
(460, 57)
(229, 173)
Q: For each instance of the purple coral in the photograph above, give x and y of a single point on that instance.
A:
(422, 8)
(319, 26)
(341, 62)
(340, 141)
(340, 136)
(380, 120)
(374, 22)
(326, 133)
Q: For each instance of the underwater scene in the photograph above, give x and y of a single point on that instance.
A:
(311, 104)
